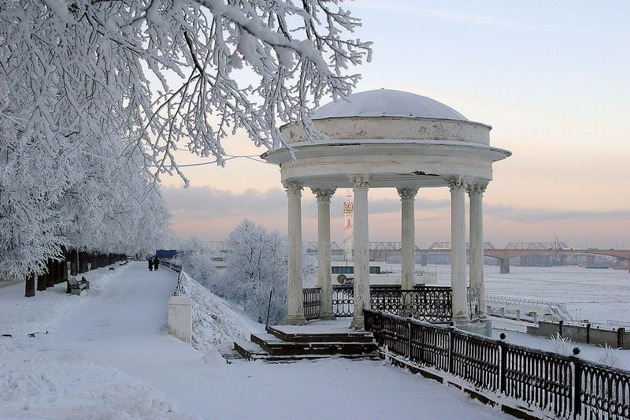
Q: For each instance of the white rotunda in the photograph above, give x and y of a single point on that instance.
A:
(387, 139)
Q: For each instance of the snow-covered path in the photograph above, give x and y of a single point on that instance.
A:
(122, 329)
(125, 328)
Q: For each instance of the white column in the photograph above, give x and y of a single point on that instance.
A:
(295, 312)
(475, 192)
(323, 250)
(407, 237)
(458, 248)
(361, 249)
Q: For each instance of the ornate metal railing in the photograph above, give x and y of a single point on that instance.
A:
(564, 386)
(343, 300)
(429, 303)
(311, 302)
(604, 392)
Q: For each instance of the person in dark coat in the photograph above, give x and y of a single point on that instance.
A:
(150, 264)
(156, 263)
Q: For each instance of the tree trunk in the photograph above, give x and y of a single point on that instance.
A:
(64, 271)
(83, 262)
(58, 272)
(74, 262)
(30, 286)
(55, 272)
(50, 278)
(42, 282)
(94, 261)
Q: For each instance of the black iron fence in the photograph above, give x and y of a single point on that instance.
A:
(343, 300)
(565, 386)
(311, 302)
(431, 304)
(427, 303)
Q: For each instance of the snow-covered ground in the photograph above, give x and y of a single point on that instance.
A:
(107, 355)
(612, 357)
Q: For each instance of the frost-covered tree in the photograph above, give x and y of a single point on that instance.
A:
(115, 209)
(88, 67)
(30, 231)
(309, 269)
(80, 83)
(255, 265)
(68, 191)
(196, 259)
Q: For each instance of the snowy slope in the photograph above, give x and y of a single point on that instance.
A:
(214, 322)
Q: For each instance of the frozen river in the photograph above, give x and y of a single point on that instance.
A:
(596, 295)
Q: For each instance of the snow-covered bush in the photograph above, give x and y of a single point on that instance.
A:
(609, 356)
(561, 345)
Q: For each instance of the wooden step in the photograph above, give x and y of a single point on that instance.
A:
(249, 350)
(314, 336)
(230, 355)
(277, 347)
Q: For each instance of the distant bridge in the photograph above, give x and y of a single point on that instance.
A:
(380, 251)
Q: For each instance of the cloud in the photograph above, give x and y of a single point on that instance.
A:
(212, 213)
(525, 215)
(211, 203)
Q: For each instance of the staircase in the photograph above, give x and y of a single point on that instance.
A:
(288, 343)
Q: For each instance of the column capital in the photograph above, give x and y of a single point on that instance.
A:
(407, 193)
(478, 187)
(456, 183)
(360, 180)
(323, 194)
(293, 187)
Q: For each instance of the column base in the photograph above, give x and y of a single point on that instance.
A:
(358, 323)
(295, 320)
(478, 326)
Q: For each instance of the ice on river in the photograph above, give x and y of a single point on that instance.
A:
(590, 294)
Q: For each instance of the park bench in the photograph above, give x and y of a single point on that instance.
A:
(76, 286)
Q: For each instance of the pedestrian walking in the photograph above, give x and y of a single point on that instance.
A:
(156, 263)
(150, 264)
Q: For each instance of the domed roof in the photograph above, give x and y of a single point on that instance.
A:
(387, 103)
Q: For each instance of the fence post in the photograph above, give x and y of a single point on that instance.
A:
(451, 340)
(588, 333)
(577, 386)
(621, 331)
(410, 341)
(502, 367)
(560, 324)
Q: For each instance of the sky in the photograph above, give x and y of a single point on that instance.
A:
(551, 78)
